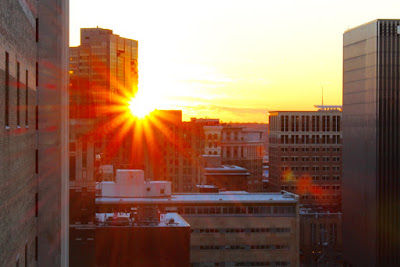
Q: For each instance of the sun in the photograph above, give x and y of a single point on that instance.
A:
(140, 106)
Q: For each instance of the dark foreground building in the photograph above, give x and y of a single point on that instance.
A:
(121, 241)
(34, 133)
(371, 134)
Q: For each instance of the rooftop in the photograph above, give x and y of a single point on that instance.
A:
(170, 219)
(224, 169)
(204, 198)
(369, 22)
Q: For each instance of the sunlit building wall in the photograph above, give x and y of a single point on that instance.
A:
(305, 155)
(34, 133)
(103, 75)
(371, 160)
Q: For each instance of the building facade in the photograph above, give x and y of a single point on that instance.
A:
(34, 133)
(371, 161)
(227, 229)
(305, 155)
(321, 241)
(244, 148)
(103, 73)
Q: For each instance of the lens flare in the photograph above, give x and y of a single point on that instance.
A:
(140, 106)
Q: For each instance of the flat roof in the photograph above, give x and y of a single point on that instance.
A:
(207, 198)
(178, 221)
(369, 22)
(227, 168)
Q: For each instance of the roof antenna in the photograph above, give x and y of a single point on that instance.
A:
(322, 95)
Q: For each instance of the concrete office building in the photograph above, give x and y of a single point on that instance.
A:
(371, 134)
(305, 155)
(227, 229)
(34, 133)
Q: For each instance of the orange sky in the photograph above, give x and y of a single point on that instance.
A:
(234, 60)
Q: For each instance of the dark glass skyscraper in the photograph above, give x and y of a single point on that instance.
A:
(371, 144)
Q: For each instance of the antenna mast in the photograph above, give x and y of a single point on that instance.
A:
(322, 95)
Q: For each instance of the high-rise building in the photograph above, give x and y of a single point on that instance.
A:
(34, 133)
(371, 134)
(103, 73)
(305, 155)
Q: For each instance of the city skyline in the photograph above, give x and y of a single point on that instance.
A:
(221, 60)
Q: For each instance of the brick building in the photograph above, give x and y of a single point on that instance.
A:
(305, 154)
(33, 133)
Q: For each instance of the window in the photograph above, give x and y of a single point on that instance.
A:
(18, 94)
(26, 98)
(26, 255)
(325, 158)
(36, 248)
(335, 168)
(325, 177)
(37, 30)
(37, 74)
(36, 204)
(7, 88)
(72, 168)
(284, 158)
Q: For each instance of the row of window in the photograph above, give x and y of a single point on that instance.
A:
(239, 247)
(322, 197)
(266, 210)
(305, 139)
(290, 177)
(310, 187)
(18, 84)
(313, 158)
(307, 123)
(241, 230)
(307, 149)
(306, 168)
